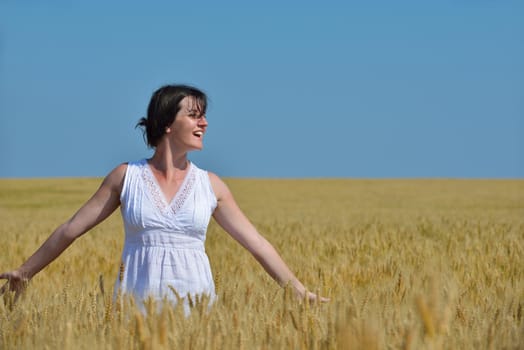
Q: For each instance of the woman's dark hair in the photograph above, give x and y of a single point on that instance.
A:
(164, 106)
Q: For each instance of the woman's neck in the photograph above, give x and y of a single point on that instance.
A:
(166, 160)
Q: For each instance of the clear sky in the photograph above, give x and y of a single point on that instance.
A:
(369, 89)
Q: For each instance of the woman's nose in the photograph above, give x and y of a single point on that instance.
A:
(202, 120)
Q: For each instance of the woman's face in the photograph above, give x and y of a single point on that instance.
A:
(189, 127)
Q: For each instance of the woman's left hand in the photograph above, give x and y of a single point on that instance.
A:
(313, 298)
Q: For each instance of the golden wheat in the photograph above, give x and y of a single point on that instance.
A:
(408, 264)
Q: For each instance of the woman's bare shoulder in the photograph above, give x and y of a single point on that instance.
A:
(219, 186)
(115, 179)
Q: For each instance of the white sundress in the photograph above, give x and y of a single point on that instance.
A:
(164, 242)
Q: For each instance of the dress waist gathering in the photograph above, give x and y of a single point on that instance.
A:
(160, 238)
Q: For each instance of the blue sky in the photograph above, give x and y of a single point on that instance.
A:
(391, 89)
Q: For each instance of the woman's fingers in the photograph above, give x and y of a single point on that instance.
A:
(316, 298)
(313, 298)
(4, 288)
(9, 275)
(13, 288)
(15, 282)
(320, 299)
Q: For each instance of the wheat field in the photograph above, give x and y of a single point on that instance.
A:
(407, 264)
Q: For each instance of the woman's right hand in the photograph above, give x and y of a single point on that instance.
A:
(16, 284)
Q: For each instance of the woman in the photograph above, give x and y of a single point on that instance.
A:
(166, 203)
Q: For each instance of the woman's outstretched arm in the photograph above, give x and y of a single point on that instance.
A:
(104, 202)
(232, 219)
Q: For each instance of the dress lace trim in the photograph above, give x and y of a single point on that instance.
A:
(181, 196)
(156, 195)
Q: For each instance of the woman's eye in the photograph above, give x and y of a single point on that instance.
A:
(195, 116)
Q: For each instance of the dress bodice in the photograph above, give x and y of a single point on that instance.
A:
(150, 220)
